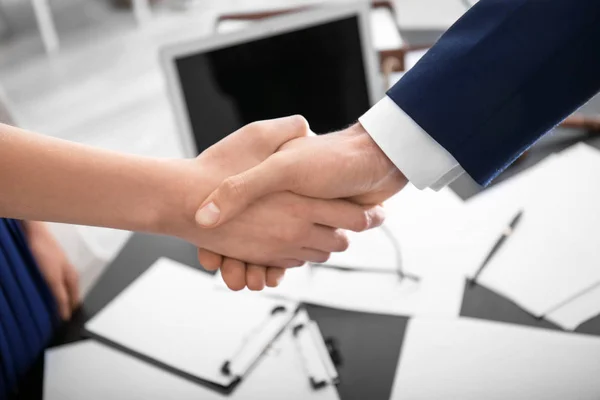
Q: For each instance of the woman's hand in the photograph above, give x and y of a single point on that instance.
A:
(60, 274)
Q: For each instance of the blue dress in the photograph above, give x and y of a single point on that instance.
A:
(28, 312)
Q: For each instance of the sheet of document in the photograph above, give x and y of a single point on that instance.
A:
(373, 249)
(472, 359)
(92, 371)
(175, 315)
(416, 223)
(436, 234)
(578, 310)
(433, 295)
(553, 253)
(381, 293)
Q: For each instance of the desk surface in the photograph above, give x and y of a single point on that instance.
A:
(369, 344)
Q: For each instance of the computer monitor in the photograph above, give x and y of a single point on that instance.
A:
(318, 63)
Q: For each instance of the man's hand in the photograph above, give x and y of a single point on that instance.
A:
(60, 274)
(346, 164)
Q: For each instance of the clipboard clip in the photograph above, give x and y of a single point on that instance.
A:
(256, 342)
(315, 356)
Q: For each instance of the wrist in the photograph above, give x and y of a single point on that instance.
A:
(185, 187)
(385, 178)
(365, 144)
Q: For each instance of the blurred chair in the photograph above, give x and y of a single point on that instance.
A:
(47, 28)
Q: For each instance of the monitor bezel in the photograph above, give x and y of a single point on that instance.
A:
(273, 26)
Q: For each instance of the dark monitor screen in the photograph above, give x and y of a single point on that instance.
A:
(317, 72)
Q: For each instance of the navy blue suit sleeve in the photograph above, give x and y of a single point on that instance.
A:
(504, 74)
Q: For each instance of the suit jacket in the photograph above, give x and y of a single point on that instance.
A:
(502, 76)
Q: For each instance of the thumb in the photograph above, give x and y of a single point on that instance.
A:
(237, 192)
(275, 133)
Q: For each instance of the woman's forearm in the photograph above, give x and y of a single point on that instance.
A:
(48, 179)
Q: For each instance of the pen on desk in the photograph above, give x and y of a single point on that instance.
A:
(505, 234)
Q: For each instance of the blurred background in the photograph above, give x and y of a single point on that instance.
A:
(91, 71)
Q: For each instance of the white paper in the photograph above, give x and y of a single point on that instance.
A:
(417, 220)
(439, 295)
(92, 371)
(553, 253)
(579, 310)
(436, 234)
(373, 249)
(380, 293)
(471, 359)
(174, 314)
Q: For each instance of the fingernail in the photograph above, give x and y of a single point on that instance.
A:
(208, 215)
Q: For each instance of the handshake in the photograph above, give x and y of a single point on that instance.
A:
(272, 195)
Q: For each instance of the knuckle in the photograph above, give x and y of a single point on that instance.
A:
(258, 130)
(290, 234)
(62, 298)
(255, 127)
(209, 261)
(298, 209)
(234, 186)
(56, 284)
(301, 233)
(73, 273)
(299, 123)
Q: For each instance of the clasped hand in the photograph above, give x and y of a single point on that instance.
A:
(285, 196)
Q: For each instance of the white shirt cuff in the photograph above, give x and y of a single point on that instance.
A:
(424, 162)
